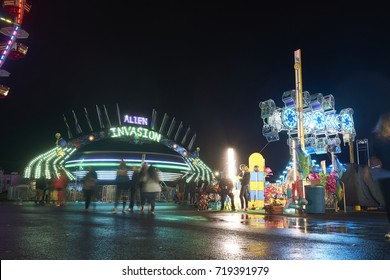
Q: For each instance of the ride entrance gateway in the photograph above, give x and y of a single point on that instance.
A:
(131, 138)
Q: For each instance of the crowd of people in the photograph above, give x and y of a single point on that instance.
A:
(51, 192)
(143, 189)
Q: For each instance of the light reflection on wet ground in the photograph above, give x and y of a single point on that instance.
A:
(305, 225)
(175, 232)
(299, 238)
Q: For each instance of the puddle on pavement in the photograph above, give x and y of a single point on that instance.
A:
(280, 222)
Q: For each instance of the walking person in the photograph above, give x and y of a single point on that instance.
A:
(40, 188)
(380, 159)
(141, 175)
(122, 187)
(244, 177)
(226, 186)
(150, 189)
(134, 189)
(90, 188)
(192, 191)
(60, 185)
(49, 193)
(180, 189)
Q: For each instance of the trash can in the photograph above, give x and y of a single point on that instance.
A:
(315, 196)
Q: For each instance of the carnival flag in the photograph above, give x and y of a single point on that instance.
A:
(339, 168)
(304, 161)
(339, 190)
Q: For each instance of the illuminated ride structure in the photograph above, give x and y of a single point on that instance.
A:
(11, 27)
(133, 139)
(322, 125)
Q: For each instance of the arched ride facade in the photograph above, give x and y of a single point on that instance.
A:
(133, 139)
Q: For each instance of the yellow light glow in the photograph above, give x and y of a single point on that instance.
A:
(231, 165)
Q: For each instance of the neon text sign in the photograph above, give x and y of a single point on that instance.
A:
(136, 132)
(135, 120)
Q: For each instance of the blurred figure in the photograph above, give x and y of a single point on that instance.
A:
(50, 191)
(134, 189)
(40, 188)
(192, 191)
(150, 189)
(90, 188)
(141, 175)
(226, 186)
(380, 159)
(122, 187)
(60, 185)
(244, 177)
(180, 189)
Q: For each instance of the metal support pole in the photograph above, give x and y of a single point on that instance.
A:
(345, 204)
(351, 152)
(298, 96)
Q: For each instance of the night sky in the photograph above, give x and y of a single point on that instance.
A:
(208, 65)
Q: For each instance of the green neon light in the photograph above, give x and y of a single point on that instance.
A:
(109, 164)
(136, 132)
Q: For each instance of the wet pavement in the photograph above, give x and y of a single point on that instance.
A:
(180, 232)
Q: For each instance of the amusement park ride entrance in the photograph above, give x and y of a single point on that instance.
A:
(134, 131)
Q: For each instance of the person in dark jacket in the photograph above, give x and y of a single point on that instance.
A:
(40, 189)
(90, 188)
(244, 177)
(134, 191)
(226, 186)
(122, 187)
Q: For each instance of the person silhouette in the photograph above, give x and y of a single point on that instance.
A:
(151, 187)
(122, 187)
(90, 188)
(380, 159)
(244, 177)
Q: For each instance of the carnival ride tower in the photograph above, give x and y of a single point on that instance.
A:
(308, 119)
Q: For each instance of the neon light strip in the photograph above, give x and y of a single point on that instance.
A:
(7, 20)
(111, 175)
(8, 47)
(20, 12)
(18, 19)
(110, 164)
(117, 161)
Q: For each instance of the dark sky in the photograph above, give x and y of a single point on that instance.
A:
(208, 65)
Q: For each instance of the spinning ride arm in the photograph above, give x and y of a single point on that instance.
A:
(12, 29)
